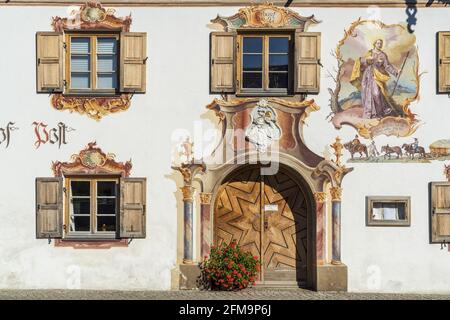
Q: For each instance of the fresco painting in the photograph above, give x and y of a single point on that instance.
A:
(376, 80)
(410, 150)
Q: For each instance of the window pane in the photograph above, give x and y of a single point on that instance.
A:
(80, 45)
(80, 224)
(278, 80)
(106, 45)
(81, 206)
(252, 62)
(278, 62)
(80, 188)
(252, 45)
(106, 63)
(106, 188)
(80, 63)
(106, 223)
(106, 81)
(389, 211)
(278, 45)
(252, 80)
(80, 81)
(106, 206)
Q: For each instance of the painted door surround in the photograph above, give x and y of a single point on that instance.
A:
(322, 177)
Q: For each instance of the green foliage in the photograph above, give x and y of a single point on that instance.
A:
(230, 268)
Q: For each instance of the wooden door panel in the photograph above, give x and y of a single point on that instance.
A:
(267, 217)
(285, 217)
(238, 212)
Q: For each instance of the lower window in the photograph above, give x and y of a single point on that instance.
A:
(92, 207)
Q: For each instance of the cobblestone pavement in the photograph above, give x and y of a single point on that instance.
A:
(249, 294)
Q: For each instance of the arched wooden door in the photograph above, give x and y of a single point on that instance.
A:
(266, 215)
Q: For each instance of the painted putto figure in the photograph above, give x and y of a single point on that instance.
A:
(370, 75)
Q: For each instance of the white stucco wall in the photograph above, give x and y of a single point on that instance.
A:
(385, 259)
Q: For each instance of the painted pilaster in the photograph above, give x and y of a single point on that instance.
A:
(205, 223)
(320, 198)
(188, 198)
(336, 221)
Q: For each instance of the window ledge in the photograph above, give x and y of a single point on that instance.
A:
(91, 244)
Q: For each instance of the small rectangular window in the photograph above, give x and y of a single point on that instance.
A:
(265, 63)
(388, 211)
(93, 63)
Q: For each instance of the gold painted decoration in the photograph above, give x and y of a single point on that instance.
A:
(265, 16)
(308, 105)
(336, 193)
(95, 108)
(337, 146)
(320, 196)
(188, 193)
(377, 80)
(92, 160)
(92, 16)
(205, 198)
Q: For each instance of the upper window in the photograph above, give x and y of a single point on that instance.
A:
(265, 63)
(93, 63)
(84, 63)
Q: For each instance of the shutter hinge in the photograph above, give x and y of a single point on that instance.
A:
(440, 61)
(65, 86)
(237, 47)
(443, 244)
(39, 207)
(39, 61)
(65, 45)
(319, 63)
(145, 60)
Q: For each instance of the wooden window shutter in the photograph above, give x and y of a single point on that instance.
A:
(223, 62)
(444, 62)
(132, 207)
(49, 62)
(49, 207)
(133, 62)
(440, 212)
(307, 62)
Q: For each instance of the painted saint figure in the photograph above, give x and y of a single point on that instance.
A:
(370, 75)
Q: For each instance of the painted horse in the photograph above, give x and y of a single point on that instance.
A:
(356, 148)
(389, 150)
(410, 151)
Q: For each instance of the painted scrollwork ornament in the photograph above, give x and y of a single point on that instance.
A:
(263, 129)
